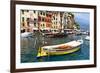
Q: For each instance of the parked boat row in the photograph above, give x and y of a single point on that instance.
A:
(56, 34)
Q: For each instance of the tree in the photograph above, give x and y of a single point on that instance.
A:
(70, 13)
(77, 25)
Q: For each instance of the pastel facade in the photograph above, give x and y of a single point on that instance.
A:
(33, 20)
(24, 17)
(29, 20)
(56, 22)
(48, 20)
(41, 20)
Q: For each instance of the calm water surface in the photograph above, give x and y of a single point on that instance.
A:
(30, 45)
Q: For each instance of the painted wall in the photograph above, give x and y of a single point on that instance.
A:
(5, 36)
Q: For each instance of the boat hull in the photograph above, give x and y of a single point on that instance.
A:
(60, 49)
(44, 53)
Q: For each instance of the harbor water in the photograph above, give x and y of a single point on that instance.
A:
(31, 44)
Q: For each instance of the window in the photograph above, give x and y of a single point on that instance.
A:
(43, 19)
(28, 24)
(23, 24)
(34, 24)
(28, 19)
(54, 26)
(22, 11)
(47, 15)
(39, 18)
(22, 19)
(54, 18)
(35, 19)
(41, 13)
(34, 11)
(54, 30)
(27, 10)
(43, 25)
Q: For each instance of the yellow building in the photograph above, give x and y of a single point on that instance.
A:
(55, 22)
(41, 20)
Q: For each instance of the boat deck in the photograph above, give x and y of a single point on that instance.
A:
(52, 50)
(44, 53)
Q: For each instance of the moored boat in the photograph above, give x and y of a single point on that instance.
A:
(25, 34)
(87, 38)
(60, 49)
(54, 35)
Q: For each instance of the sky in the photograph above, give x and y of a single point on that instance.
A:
(82, 15)
(83, 18)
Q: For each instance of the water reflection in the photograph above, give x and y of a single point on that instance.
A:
(30, 46)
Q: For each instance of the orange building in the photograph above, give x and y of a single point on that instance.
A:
(48, 20)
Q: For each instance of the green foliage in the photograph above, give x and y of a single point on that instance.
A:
(70, 13)
(70, 25)
(77, 25)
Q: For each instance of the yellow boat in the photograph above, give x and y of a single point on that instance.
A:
(60, 49)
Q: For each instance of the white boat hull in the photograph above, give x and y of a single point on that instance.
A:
(25, 34)
(55, 50)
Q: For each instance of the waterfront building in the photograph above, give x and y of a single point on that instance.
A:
(33, 20)
(29, 20)
(63, 20)
(56, 22)
(48, 20)
(24, 23)
(42, 20)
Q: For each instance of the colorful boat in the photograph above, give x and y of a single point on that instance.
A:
(61, 49)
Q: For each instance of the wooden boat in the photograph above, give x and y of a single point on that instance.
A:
(61, 49)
